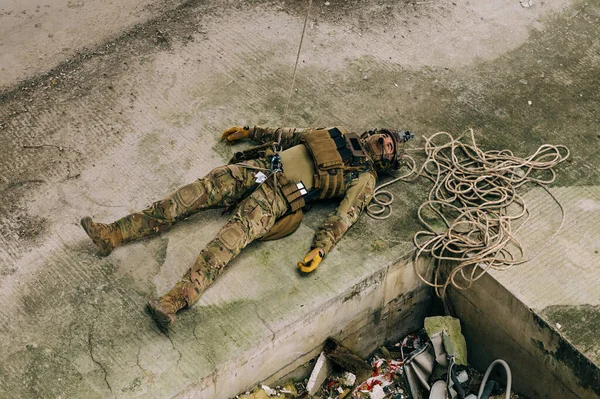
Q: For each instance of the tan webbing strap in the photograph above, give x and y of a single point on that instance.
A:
(331, 183)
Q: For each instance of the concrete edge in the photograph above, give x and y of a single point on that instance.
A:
(362, 317)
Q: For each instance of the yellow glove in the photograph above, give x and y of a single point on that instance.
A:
(236, 133)
(311, 260)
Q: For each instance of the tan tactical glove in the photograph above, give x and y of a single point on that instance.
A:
(236, 133)
(311, 260)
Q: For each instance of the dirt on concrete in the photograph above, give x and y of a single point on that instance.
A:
(36, 35)
(125, 121)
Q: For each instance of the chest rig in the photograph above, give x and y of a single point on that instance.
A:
(339, 158)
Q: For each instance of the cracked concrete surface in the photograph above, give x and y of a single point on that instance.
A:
(138, 113)
(91, 348)
(263, 320)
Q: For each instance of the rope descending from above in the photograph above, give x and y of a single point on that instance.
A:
(287, 104)
(470, 197)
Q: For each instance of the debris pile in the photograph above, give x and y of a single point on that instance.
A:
(431, 363)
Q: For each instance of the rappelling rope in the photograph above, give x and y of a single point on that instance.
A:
(380, 206)
(272, 172)
(277, 144)
(296, 66)
(469, 201)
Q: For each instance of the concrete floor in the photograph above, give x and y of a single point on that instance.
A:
(136, 109)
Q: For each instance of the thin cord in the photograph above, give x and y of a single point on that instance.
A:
(296, 65)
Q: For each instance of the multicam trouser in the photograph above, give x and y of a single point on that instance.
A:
(254, 216)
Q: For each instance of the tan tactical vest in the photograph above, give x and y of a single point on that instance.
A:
(338, 157)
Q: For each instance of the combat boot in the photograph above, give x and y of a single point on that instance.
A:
(163, 309)
(105, 236)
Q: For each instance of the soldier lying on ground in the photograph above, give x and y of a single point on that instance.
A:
(268, 190)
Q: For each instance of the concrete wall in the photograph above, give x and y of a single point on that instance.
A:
(383, 307)
(498, 325)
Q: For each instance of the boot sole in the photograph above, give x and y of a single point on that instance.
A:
(163, 319)
(104, 247)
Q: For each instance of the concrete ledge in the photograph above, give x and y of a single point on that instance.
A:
(384, 306)
(81, 331)
(542, 316)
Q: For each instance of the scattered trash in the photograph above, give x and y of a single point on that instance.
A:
(269, 391)
(431, 363)
(289, 391)
(319, 374)
(387, 379)
(348, 379)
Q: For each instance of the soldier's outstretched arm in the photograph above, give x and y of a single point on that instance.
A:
(358, 196)
(290, 136)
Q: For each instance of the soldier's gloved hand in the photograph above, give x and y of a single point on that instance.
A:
(311, 260)
(236, 133)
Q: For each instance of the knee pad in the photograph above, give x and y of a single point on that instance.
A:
(188, 195)
(181, 202)
(232, 236)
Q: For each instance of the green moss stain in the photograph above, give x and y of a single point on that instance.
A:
(161, 251)
(580, 325)
(379, 245)
(263, 256)
(45, 374)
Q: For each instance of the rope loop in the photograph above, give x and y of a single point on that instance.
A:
(380, 206)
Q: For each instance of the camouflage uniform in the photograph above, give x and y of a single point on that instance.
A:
(356, 197)
(258, 208)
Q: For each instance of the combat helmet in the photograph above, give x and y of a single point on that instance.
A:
(383, 161)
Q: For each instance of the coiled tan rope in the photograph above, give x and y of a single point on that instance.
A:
(466, 216)
(380, 206)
